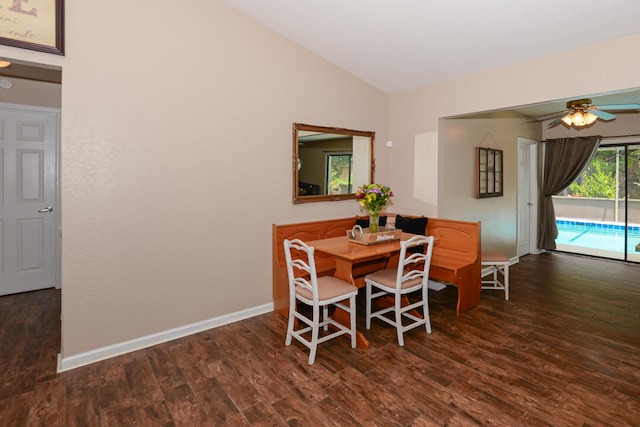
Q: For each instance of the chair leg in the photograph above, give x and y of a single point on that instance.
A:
(398, 303)
(291, 322)
(368, 306)
(315, 332)
(425, 308)
(325, 316)
(506, 281)
(352, 307)
(287, 341)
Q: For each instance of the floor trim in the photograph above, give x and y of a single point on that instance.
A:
(86, 358)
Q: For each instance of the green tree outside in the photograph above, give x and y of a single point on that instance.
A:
(595, 183)
(598, 179)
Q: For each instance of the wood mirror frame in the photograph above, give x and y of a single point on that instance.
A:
(312, 148)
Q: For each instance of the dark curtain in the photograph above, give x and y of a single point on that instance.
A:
(564, 160)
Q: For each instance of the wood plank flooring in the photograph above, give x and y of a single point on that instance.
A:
(564, 351)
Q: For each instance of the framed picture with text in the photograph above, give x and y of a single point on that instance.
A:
(33, 24)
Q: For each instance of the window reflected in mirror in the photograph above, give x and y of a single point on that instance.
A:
(330, 163)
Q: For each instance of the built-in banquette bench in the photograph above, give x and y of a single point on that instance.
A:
(456, 256)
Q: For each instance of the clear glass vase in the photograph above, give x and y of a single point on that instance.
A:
(374, 218)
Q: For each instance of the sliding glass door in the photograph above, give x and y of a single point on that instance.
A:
(632, 202)
(599, 213)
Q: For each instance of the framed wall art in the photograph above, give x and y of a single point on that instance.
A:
(33, 24)
(489, 173)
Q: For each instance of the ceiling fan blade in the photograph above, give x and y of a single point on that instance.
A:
(619, 107)
(557, 121)
(603, 114)
(548, 116)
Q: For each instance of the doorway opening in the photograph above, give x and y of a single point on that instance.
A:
(29, 174)
(527, 207)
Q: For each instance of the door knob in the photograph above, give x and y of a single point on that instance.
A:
(46, 210)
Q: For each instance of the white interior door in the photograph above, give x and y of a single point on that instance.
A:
(28, 208)
(527, 184)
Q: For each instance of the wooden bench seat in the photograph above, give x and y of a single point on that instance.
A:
(456, 256)
(306, 231)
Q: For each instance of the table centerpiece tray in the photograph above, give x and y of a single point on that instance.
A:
(364, 237)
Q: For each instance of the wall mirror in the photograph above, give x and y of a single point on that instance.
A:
(330, 163)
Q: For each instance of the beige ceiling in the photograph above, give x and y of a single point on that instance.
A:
(399, 45)
(32, 71)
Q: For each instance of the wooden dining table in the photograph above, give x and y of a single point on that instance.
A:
(354, 261)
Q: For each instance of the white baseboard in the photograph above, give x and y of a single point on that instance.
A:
(82, 359)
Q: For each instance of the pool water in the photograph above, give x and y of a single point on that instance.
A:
(597, 238)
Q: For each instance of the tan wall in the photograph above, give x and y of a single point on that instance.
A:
(176, 160)
(457, 163)
(176, 154)
(604, 67)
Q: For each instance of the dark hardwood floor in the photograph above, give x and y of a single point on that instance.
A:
(565, 351)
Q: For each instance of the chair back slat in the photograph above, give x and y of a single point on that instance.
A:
(306, 276)
(412, 276)
(405, 273)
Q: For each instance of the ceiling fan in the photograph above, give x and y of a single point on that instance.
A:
(581, 112)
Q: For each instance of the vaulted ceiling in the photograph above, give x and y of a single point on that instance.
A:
(399, 45)
(402, 45)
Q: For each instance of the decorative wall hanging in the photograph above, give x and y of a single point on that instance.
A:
(489, 173)
(36, 25)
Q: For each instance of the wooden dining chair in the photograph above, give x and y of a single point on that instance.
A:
(400, 282)
(316, 292)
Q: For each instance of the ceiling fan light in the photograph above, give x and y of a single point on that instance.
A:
(4, 64)
(590, 118)
(567, 119)
(578, 119)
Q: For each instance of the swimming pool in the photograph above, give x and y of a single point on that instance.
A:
(597, 238)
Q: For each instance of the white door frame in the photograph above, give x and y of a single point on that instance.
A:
(57, 211)
(532, 146)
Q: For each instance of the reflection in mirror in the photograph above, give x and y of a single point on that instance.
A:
(330, 163)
